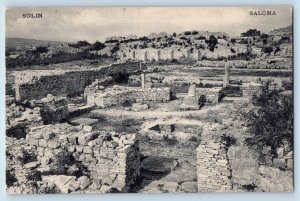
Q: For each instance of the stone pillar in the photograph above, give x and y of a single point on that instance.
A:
(226, 76)
(192, 90)
(143, 80)
(17, 93)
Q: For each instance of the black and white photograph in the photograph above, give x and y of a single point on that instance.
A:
(149, 99)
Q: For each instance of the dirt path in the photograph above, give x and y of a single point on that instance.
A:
(158, 113)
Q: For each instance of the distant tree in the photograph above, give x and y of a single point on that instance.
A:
(7, 53)
(212, 42)
(97, 46)
(267, 49)
(276, 50)
(201, 38)
(264, 38)
(174, 34)
(41, 49)
(195, 32)
(79, 44)
(187, 33)
(251, 32)
(233, 40)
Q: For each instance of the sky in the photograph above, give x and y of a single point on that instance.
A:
(95, 23)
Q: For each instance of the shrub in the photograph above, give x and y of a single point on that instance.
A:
(26, 157)
(287, 85)
(79, 44)
(10, 178)
(251, 32)
(228, 140)
(212, 42)
(267, 49)
(97, 46)
(272, 122)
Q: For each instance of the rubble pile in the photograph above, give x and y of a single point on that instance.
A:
(110, 157)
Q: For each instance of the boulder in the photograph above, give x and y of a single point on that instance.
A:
(139, 107)
(279, 162)
(31, 165)
(84, 182)
(280, 152)
(65, 183)
(190, 187)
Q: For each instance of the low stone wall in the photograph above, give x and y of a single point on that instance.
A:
(213, 169)
(209, 95)
(118, 95)
(37, 84)
(112, 159)
(251, 89)
(269, 63)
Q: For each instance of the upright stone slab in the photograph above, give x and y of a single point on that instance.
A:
(226, 76)
(192, 90)
(191, 101)
(143, 80)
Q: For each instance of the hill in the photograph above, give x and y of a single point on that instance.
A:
(24, 43)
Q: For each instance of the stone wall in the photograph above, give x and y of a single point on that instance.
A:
(112, 159)
(251, 89)
(149, 54)
(37, 84)
(209, 95)
(117, 95)
(213, 168)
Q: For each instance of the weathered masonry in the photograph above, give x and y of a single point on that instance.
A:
(213, 168)
(37, 84)
(112, 159)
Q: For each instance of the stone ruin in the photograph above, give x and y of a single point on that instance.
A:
(99, 96)
(53, 109)
(112, 159)
(213, 168)
(198, 96)
(191, 101)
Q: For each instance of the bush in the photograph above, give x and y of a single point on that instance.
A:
(10, 178)
(212, 42)
(79, 44)
(251, 32)
(228, 140)
(272, 122)
(26, 157)
(267, 49)
(97, 46)
(287, 85)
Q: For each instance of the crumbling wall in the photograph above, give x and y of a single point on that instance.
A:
(37, 84)
(153, 54)
(166, 54)
(112, 159)
(53, 109)
(251, 89)
(209, 95)
(213, 169)
(117, 96)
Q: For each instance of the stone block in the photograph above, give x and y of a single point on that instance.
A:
(290, 164)
(280, 152)
(53, 144)
(87, 128)
(48, 135)
(87, 149)
(43, 143)
(279, 163)
(84, 182)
